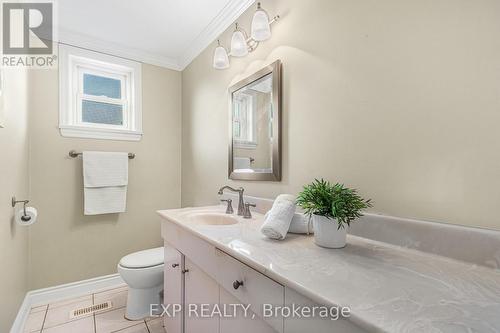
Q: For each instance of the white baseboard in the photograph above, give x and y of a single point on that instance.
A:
(52, 294)
(22, 315)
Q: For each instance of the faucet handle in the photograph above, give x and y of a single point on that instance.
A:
(229, 209)
(248, 213)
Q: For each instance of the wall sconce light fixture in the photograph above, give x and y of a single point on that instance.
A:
(241, 43)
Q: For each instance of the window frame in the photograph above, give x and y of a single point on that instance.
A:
(74, 63)
(81, 96)
(248, 122)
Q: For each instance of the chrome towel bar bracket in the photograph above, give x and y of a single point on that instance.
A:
(74, 154)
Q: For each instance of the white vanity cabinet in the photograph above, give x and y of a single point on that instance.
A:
(190, 285)
(208, 275)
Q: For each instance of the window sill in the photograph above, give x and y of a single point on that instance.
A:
(100, 133)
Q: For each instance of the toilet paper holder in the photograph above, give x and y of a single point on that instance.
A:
(25, 217)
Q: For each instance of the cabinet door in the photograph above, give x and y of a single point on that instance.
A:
(250, 323)
(172, 289)
(199, 289)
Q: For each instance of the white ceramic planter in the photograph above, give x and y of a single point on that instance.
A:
(327, 234)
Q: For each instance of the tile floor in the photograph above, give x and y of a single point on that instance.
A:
(55, 317)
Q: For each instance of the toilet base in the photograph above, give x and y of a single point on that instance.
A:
(139, 302)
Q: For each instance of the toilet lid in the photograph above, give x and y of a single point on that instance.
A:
(143, 259)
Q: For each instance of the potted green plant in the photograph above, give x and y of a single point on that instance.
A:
(333, 208)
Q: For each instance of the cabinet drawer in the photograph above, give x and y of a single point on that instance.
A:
(241, 323)
(256, 290)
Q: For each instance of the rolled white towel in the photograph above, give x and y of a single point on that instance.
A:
(280, 216)
(301, 224)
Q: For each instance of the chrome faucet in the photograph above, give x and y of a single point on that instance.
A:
(241, 203)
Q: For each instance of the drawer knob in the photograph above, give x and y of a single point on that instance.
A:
(237, 284)
(175, 265)
(184, 271)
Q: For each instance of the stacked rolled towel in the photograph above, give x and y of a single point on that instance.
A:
(280, 217)
(301, 224)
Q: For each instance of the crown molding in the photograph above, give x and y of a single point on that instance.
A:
(230, 13)
(87, 42)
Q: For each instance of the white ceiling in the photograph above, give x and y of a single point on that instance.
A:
(168, 33)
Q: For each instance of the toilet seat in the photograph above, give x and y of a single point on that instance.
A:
(143, 259)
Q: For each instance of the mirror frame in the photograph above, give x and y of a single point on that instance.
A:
(275, 174)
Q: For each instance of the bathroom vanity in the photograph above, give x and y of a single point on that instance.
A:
(224, 259)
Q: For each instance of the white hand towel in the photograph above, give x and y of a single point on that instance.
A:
(102, 169)
(280, 216)
(105, 200)
(105, 178)
(301, 224)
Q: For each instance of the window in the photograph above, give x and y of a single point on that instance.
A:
(244, 121)
(100, 95)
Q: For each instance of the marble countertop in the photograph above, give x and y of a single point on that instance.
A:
(388, 288)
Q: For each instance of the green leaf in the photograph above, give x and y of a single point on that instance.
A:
(332, 201)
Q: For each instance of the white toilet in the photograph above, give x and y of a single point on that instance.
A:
(143, 273)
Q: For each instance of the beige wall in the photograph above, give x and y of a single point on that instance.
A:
(400, 99)
(14, 180)
(67, 246)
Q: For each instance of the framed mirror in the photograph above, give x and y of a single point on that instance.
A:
(255, 126)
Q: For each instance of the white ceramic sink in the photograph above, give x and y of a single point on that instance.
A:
(212, 219)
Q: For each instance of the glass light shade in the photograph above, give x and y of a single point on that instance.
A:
(260, 26)
(221, 60)
(239, 47)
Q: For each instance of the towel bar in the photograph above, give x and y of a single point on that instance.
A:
(74, 154)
